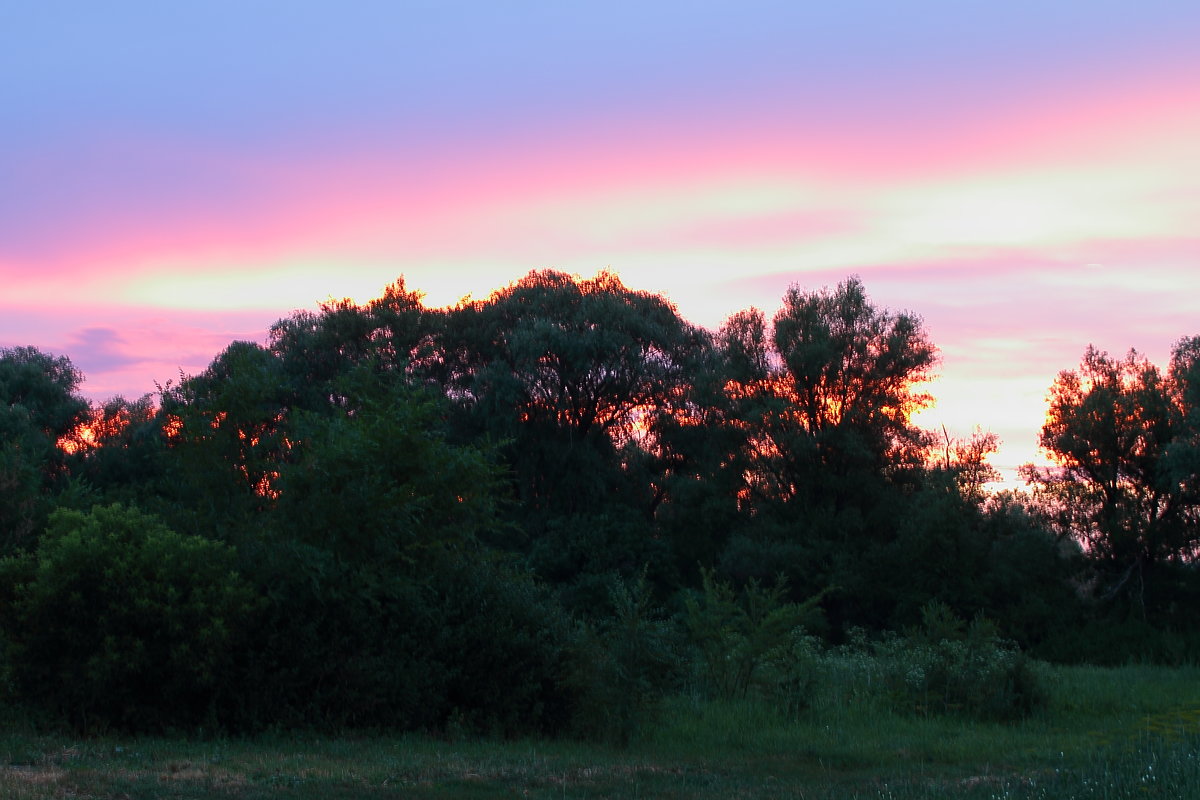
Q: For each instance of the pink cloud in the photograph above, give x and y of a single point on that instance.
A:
(748, 232)
(187, 200)
(127, 351)
(1019, 312)
(99, 220)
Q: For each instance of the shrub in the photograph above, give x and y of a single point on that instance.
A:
(946, 667)
(117, 621)
(793, 674)
(469, 646)
(336, 646)
(737, 635)
(622, 666)
(503, 644)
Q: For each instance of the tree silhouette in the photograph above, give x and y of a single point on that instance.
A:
(393, 333)
(827, 406)
(39, 410)
(577, 373)
(1125, 481)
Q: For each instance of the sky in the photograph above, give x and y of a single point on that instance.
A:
(1025, 176)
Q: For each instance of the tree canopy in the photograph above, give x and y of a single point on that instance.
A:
(1121, 433)
(501, 514)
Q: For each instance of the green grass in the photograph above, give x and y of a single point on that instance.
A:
(1131, 732)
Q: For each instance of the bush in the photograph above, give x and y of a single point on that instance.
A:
(336, 646)
(383, 608)
(793, 674)
(117, 621)
(740, 636)
(468, 646)
(622, 666)
(946, 667)
(503, 645)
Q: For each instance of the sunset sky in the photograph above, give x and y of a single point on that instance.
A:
(1023, 175)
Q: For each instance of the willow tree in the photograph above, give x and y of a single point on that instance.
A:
(580, 379)
(828, 457)
(826, 395)
(1124, 437)
(39, 408)
(393, 333)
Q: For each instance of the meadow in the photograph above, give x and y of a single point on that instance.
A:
(1120, 732)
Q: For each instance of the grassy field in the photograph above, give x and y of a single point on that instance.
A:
(1108, 733)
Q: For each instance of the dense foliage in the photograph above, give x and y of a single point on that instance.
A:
(539, 511)
(114, 619)
(1126, 439)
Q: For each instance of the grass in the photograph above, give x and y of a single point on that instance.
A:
(1109, 733)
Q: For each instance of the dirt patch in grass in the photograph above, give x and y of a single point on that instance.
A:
(31, 775)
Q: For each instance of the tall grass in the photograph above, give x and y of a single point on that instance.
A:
(1104, 732)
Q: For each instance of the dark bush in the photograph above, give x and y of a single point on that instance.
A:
(949, 667)
(738, 634)
(503, 645)
(117, 621)
(622, 665)
(469, 644)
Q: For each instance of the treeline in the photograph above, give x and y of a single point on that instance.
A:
(536, 511)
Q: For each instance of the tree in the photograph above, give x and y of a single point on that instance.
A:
(1031, 577)
(1182, 461)
(123, 458)
(42, 388)
(831, 399)
(828, 456)
(581, 379)
(966, 461)
(376, 482)
(385, 606)
(231, 429)
(590, 357)
(1125, 484)
(393, 333)
(228, 429)
(39, 411)
(851, 366)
